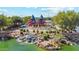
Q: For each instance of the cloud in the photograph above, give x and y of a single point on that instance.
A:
(51, 11)
(57, 9)
(54, 10)
(71, 8)
(44, 9)
(3, 11)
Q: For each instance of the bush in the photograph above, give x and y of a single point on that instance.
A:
(46, 37)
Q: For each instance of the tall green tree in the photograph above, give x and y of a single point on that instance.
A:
(26, 18)
(17, 20)
(66, 20)
(9, 21)
(3, 21)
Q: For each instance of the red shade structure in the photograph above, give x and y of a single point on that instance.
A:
(32, 21)
(41, 21)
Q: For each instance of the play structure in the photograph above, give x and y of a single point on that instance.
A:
(39, 25)
(36, 23)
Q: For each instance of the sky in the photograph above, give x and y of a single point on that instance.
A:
(36, 11)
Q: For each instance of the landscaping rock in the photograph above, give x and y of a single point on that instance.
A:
(73, 37)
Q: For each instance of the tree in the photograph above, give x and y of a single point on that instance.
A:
(17, 20)
(3, 21)
(77, 19)
(26, 19)
(66, 20)
(9, 21)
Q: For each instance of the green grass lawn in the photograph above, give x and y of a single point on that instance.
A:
(12, 45)
(70, 48)
(67, 47)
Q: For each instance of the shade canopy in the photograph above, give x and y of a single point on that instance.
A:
(41, 21)
(33, 21)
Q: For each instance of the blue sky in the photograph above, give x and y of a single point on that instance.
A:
(36, 11)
